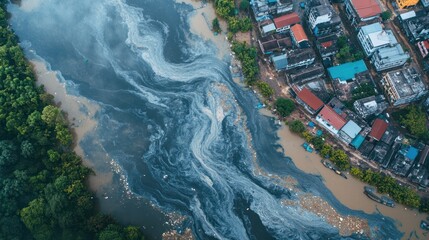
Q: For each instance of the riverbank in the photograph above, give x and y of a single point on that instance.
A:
(348, 191)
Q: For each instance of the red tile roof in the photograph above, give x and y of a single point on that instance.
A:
(310, 99)
(426, 44)
(378, 128)
(329, 115)
(286, 20)
(298, 33)
(327, 44)
(366, 8)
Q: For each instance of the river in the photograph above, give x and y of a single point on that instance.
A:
(174, 142)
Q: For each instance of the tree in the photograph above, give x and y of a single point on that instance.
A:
(340, 159)
(51, 115)
(415, 121)
(233, 24)
(326, 151)
(296, 126)
(266, 90)
(284, 106)
(244, 5)
(318, 142)
(216, 25)
(386, 15)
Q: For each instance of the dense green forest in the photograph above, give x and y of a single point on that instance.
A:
(43, 189)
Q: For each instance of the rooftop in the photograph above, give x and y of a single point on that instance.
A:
(300, 55)
(378, 129)
(381, 38)
(347, 71)
(351, 129)
(280, 61)
(366, 8)
(310, 99)
(287, 20)
(406, 82)
(330, 116)
(299, 33)
(372, 28)
(357, 141)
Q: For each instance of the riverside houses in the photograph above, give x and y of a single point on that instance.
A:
(349, 132)
(284, 22)
(330, 120)
(308, 100)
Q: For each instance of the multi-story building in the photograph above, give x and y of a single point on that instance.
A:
(293, 59)
(389, 57)
(416, 27)
(360, 12)
(424, 48)
(299, 37)
(284, 22)
(406, 3)
(373, 37)
(322, 18)
(264, 8)
(370, 106)
(403, 86)
(308, 100)
(327, 45)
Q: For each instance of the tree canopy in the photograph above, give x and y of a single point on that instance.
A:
(284, 106)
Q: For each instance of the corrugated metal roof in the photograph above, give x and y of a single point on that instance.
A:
(298, 33)
(378, 129)
(372, 28)
(359, 139)
(407, 15)
(351, 129)
(280, 61)
(347, 71)
(310, 99)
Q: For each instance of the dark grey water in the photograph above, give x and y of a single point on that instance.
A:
(173, 122)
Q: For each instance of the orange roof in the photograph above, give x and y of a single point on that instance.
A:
(327, 44)
(310, 99)
(426, 44)
(366, 8)
(379, 127)
(287, 20)
(299, 33)
(329, 115)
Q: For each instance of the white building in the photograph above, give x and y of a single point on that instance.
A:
(389, 57)
(373, 37)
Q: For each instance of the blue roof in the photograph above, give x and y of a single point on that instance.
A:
(311, 124)
(412, 153)
(280, 62)
(347, 71)
(357, 141)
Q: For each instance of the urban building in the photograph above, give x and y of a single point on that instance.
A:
(263, 8)
(322, 18)
(362, 11)
(425, 3)
(299, 37)
(308, 100)
(303, 76)
(283, 23)
(293, 59)
(330, 120)
(274, 43)
(403, 86)
(347, 71)
(370, 106)
(406, 3)
(373, 37)
(389, 57)
(327, 45)
(379, 127)
(423, 48)
(349, 131)
(416, 28)
(404, 159)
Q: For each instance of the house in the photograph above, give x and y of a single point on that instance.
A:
(274, 43)
(423, 48)
(404, 159)
(305, 75)
(327, 45)
(403, 86)
(373, 37)
(389, 57)
(299, 37)
(369, 106)
(406, 3)
(293, 59)
(379, 127)
(358, 11)
(416, 28)
(264, 8)
(283, 23)
(349, 131)
(347, 71)
(357, 141)
(322, 18)
(308, 100)
(268, 29)
(330, 120)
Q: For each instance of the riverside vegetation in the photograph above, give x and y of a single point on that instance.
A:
(43, 184)
(412, 116)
